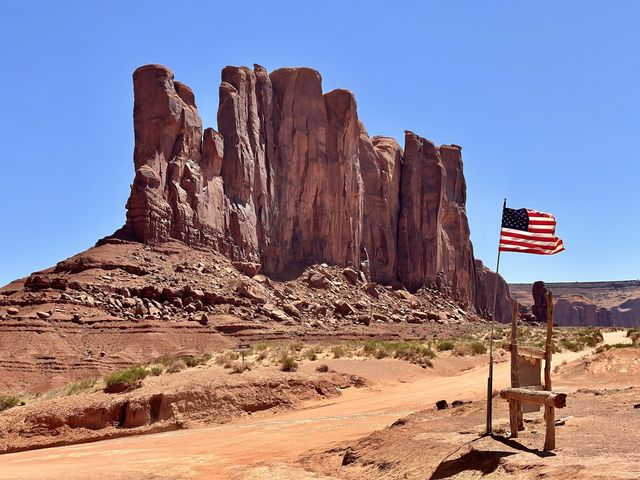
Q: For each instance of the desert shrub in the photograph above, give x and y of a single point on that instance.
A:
(221, 359)
(322, 368)
(623, 345)
(260, 347)
(78, 387)
(381, 353)
(311, 355)
(165, 361)
(156, 370)
(288, 363)
(239, 367)
(262, 355)
(477, 348)
(192, 361)
(462, 349)
(296, 347)
(189, 360)
(570, 345)
(589, 337)
(370, 347)
(445, 345)
(603, 348)
(338, 351)
(129, 376)
(176, 366)
(8, 401)
(225, 360)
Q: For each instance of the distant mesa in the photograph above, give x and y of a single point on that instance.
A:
(602, 304)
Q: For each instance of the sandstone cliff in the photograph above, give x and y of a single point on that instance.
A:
(292, 178)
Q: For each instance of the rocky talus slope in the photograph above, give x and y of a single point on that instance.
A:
(289, 221)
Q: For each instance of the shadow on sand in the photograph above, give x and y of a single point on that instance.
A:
(483, 461)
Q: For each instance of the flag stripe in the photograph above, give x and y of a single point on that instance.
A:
(515, 241)
(526, 235)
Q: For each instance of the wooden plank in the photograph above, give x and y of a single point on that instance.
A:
(526, 351)
(552, 399)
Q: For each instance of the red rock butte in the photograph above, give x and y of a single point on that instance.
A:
(292, 178)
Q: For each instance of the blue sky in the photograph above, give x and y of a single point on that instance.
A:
(544, 98)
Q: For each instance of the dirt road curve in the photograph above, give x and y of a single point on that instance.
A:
(257, 447)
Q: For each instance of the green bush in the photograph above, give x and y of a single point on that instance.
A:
(129, 376)
(288, 364)
(477, 348)
(190, 360)
(338, 351)
(8, 401)
(165, 361)
(311, 355)
(570, 345)
(156, 370)
(624, 345)
(381, 353)
(445, 345)
(370, 347)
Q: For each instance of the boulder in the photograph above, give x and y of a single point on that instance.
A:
(250, 269)
(351, 275)
(317, 280)
(344, 308)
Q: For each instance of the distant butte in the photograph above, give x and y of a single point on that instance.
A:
(293, 179)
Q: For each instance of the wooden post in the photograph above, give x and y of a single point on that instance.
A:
(549, 342)
(550, 436)
(515, 406)
(549, 411)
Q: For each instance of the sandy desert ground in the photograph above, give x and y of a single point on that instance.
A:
(313, 440)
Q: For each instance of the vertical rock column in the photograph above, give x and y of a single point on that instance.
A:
(420, 237)
(380, 163)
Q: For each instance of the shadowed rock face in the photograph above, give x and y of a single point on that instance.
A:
(292, 178)
(492, 291)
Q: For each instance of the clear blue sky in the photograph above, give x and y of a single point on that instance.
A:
(543, 96)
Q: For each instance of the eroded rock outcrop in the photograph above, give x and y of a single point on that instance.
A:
(492, 290)
(292, 178)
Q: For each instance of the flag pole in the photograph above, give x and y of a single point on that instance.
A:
(493, 316)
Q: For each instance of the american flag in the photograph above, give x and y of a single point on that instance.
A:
(528, 231)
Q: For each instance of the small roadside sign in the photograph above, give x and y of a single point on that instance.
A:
(243, 348)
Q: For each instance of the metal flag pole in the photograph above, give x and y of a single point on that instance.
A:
(493, 316)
